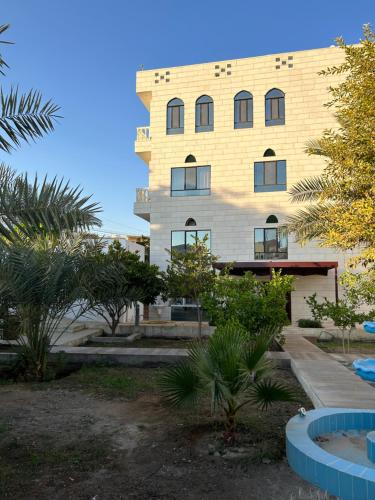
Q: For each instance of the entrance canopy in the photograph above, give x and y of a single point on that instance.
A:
(263, 268)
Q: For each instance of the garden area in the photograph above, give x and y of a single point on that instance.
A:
(103, 432)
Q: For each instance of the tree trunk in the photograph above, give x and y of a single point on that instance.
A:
(114, 325)
(136, 319)
(230, 428)
(199, 313)
(343, 340)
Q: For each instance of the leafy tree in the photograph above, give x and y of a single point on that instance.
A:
(230, 369)
(360, 287)
(43, 283)
(24, 117)
(255, 304)
(340, 207)
(118, 279)
(344, 313)
(191, 274)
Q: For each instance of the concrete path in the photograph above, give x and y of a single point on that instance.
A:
(326, 381)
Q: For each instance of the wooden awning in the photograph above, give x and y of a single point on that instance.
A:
(263, 268)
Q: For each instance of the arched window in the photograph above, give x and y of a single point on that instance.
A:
(243, 110)
(190, 222)
(190, 159)
(269, 152)
(275, 107)
(272, 219)
(175, 116)
(204, 114)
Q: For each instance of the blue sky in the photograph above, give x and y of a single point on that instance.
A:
(84, 54)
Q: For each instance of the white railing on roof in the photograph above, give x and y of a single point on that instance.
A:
(143, 134)
(142, 194)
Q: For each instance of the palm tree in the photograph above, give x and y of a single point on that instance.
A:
(23, 117)
(30, 208)
(232, 370)
(43, 284)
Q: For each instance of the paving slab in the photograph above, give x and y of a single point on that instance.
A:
(326, 381)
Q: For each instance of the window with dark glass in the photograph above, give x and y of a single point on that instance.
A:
(272, 219)
(190, 159)
(275, 107)
(269, 176)
(191, 181)
(190, 222)
(270, 243)
(204, 114)
(175, 117)
(182, 240)
(243, 110)
(269, 152)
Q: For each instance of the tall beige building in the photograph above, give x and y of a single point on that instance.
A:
(226, 141)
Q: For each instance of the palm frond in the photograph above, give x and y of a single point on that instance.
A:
(180, 384)
(24, 117)
(308, 223)
(308, 189)
(255, 364)
(266, 391)
(31, 208)
(3, 64)
(314, 147)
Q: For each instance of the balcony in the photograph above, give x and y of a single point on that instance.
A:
(142, 206)
(142, 145)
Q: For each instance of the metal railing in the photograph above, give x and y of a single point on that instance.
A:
(142, 194)
(143, 134)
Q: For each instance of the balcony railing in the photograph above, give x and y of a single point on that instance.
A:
(142, 195)
(143, 134)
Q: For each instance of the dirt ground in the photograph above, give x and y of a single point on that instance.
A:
(103, 433)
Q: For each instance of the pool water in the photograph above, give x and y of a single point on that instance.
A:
(350, 445)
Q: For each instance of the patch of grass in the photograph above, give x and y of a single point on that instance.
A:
(356, 346)
(112, 381)
(79, 457)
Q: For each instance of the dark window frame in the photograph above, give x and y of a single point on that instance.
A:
(203, 100)
(280, 185)
(172, 104)
(278, 255)
(191, 191)
(207, 231)
(243, 95)
(274, 94)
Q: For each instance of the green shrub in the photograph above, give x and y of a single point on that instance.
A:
(253, 303)
(309, 323)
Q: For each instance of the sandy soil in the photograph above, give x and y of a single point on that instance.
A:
(63, 443)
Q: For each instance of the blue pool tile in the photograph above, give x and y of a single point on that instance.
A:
(370, 490)
(345, 486)
(367, 421)
(359, 489)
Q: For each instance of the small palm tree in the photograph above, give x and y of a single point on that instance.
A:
(232, 370)
(23, 117)
(43, 284)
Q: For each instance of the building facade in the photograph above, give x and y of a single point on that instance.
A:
(226, 141)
